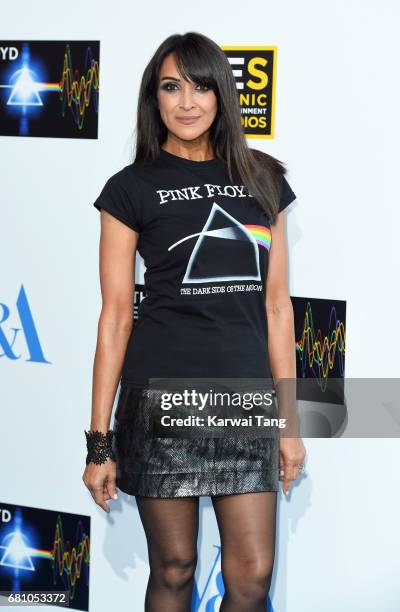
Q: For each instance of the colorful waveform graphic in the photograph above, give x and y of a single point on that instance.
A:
(321, 354)
(28, 96)
(76, 91)
(69, 562)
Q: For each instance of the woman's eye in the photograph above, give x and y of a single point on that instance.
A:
(168, 86)
(173, 86)
(204, 87)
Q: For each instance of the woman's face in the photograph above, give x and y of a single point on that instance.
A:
(179, 99)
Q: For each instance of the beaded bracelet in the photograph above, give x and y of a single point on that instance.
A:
(99, 446)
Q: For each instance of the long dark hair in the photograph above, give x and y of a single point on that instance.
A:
(201, 60)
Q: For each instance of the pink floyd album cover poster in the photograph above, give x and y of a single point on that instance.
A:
(320, 344)
(44, 552)
(49, 88)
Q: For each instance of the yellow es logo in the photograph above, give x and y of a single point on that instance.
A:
(254, 69)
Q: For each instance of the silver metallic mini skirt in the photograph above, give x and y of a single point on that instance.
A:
(167, 467)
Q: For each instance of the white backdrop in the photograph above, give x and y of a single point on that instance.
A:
(336, 125)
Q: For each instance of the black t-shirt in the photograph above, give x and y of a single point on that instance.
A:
(205, 244)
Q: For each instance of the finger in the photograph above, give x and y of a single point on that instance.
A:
(295, 471)
(286, 483)
(286, 486)
(97, 494)
(112, 488)
(289, 474)
(283, 478)
(291, 471)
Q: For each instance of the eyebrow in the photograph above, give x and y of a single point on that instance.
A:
(167, 77)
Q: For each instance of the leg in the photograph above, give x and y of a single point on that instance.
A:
(247, 524)
(171, 528)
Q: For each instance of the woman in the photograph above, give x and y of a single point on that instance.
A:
(203, 210)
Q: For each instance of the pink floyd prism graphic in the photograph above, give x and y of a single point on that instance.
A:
(225, 249)
(45, 551)
(320, 328)
(49, 88)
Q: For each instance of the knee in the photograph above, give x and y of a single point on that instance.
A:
(176, 572)
(247, 580)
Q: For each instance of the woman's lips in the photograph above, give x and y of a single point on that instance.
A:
(187, 120)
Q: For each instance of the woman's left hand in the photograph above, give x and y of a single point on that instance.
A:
(292, 453)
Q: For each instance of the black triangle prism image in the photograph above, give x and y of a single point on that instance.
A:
(225, 250)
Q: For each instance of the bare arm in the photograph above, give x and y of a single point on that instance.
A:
(117, 255)
(117, 279)
(279, 307)
(281, 342)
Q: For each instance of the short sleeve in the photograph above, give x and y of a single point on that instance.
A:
(120, 198)
(287, 194)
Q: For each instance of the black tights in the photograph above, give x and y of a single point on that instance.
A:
(246, 524)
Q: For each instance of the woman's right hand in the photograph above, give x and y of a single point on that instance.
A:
(292, 453)
(101, 482)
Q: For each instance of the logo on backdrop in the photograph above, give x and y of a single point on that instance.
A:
(45, 551)
(8, 53)
(254, 69)
(10, 334)
(320, 333)
(49, 88)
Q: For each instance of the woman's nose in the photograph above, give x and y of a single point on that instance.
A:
(187, 98)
